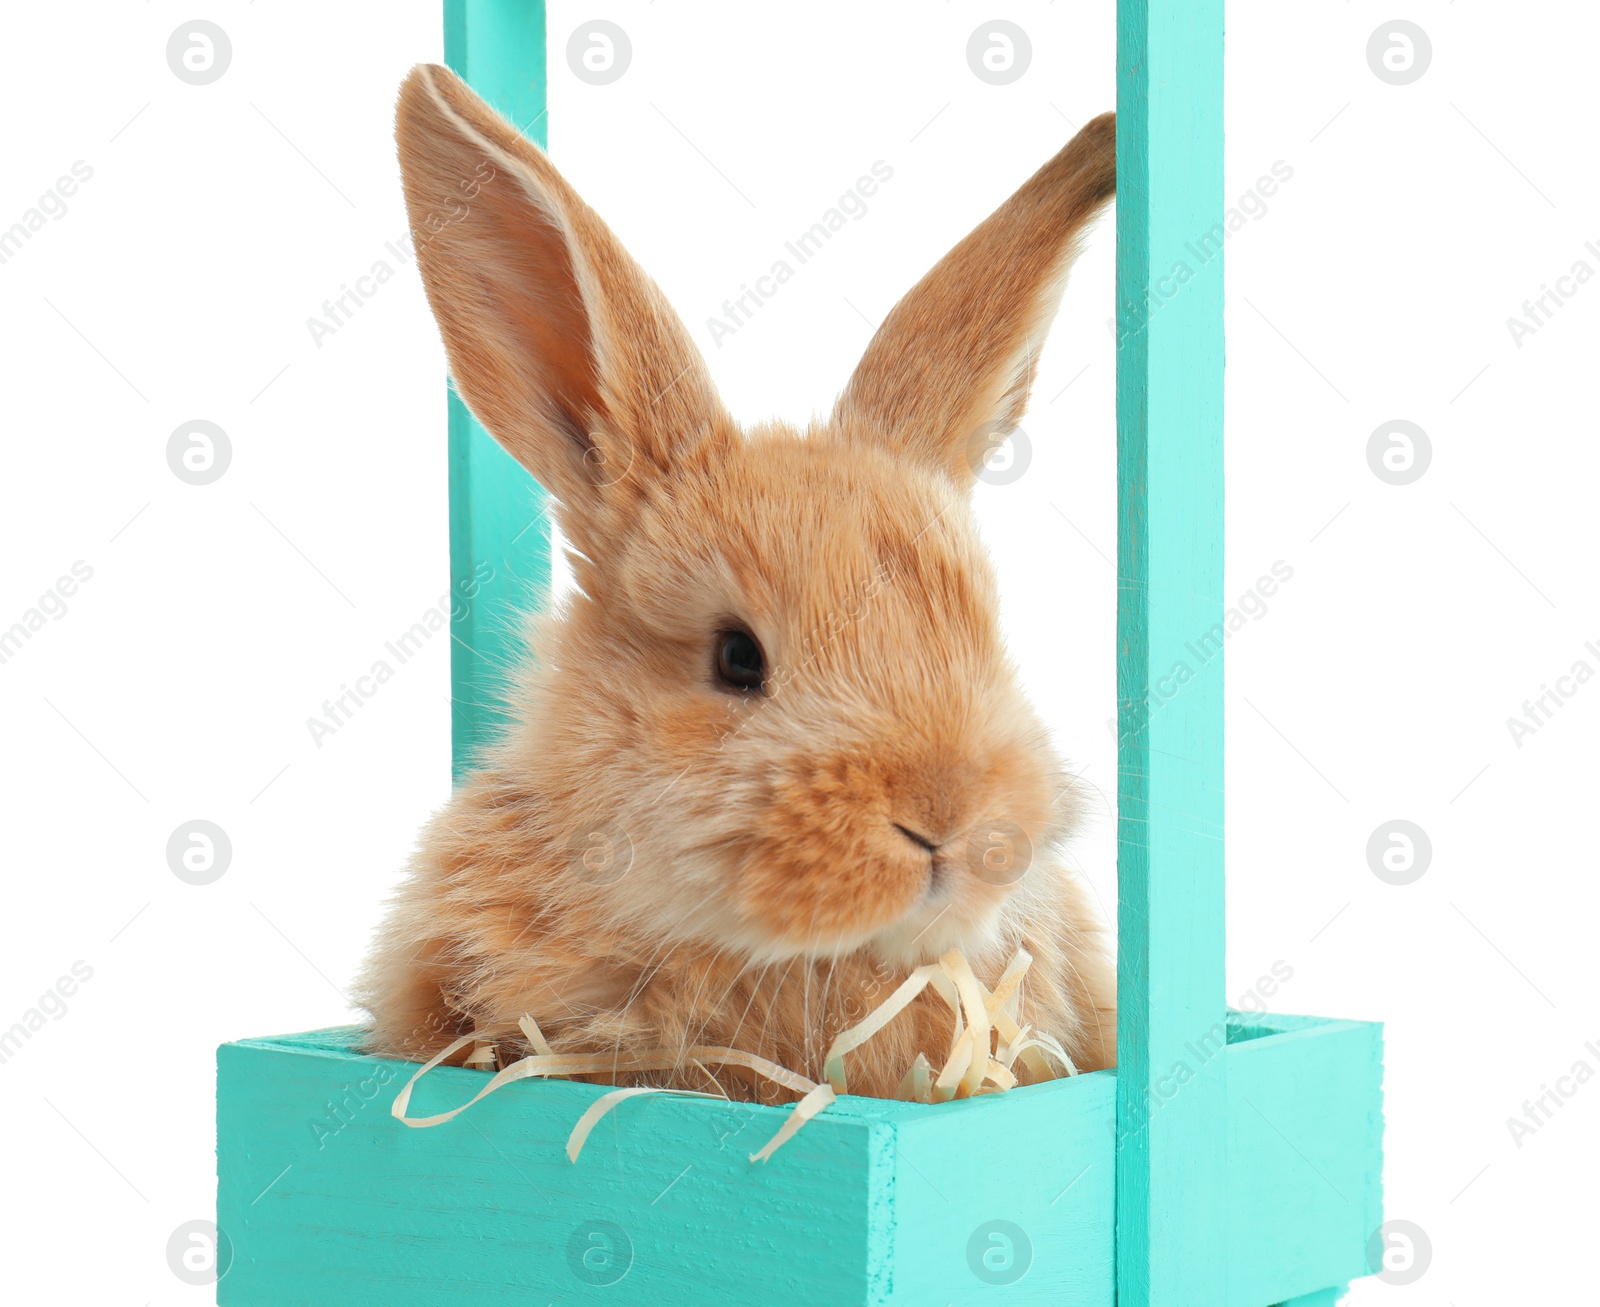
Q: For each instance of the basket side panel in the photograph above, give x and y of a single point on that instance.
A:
(326, 1198)
(1305, 1160)
(1008, 1198)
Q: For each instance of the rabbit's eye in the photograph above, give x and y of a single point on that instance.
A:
(739, 661)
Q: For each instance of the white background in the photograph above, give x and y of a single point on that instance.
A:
(177, 684)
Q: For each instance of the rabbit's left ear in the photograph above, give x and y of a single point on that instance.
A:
(565, 350)
(949, 371)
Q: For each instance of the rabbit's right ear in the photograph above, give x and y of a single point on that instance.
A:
(949, 372)
(558, 342)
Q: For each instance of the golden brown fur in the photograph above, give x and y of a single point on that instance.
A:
(650, 859)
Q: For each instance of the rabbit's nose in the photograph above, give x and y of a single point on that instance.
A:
(920, 840)
(930, 804)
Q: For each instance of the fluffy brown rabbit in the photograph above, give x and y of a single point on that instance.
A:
(771, 754)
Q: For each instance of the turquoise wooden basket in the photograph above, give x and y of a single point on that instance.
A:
(1230, 1160)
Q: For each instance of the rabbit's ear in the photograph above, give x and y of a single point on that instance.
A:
(949, 371)
(558, 342)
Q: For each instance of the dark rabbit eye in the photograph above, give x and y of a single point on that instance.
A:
(739, 661)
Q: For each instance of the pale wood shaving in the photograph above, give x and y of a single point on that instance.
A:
(985, 1045)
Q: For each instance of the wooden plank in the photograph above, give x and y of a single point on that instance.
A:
(1007, 1198)
(1305, 1159)
(325, 1197)
(499, 523)
(1172, 1100)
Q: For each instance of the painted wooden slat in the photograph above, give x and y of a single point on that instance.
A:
(499, 526)
(1171, 1176)
(487, 1208)
(1020, 1191)
(1305, 1156)
(324, 1197)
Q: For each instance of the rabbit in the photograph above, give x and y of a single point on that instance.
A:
(770, 754)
